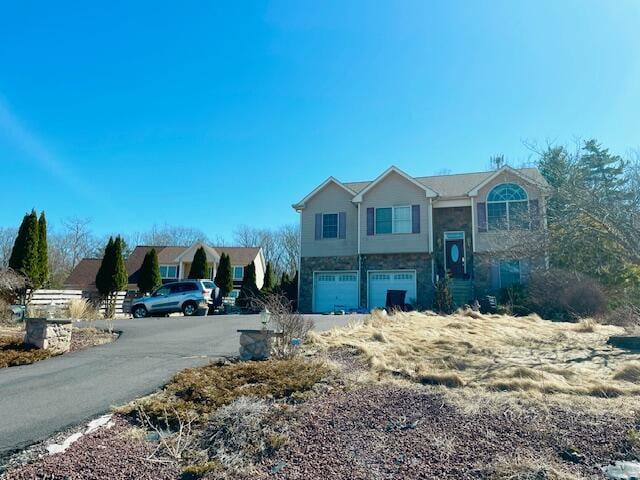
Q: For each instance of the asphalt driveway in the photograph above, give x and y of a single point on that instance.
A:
(39, 400)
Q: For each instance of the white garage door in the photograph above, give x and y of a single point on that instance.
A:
(335, 291)
(380, 282)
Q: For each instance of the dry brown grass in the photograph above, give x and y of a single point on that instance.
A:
(82, 309)
(496, 352)
(524, 465)
(14, 353)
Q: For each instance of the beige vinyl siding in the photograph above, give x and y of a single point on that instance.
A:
(394, 190)
(331, 199)
(496, 240)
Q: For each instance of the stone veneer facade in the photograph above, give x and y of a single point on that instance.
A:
(420, 262)
(452, 219)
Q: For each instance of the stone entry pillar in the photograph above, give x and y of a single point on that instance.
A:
(255, 344)
(52, 335)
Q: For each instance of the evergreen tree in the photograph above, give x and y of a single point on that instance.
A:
(269, 279)
(120, 276)
(105, 270)
(149, 278)
(224, 276)
(112, 275)
(199, 267)
(249, 289)
(284, 281)
(43, 254)
(24, 255)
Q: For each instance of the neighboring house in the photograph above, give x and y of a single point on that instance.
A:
(175, 263)
(398, 232)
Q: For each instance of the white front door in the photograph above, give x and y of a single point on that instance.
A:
(334, 291)
(383, 280)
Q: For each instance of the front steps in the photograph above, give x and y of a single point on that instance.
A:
(461, 291)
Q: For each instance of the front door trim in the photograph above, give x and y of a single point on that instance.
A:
(455, 235)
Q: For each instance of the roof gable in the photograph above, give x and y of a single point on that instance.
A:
(519, 173)
(189, 253)
(428, 191)
(302, 203)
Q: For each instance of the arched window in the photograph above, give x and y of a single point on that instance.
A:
(508, 208)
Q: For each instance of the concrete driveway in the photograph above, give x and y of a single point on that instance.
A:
(39, 400)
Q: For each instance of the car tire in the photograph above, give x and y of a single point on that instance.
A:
(189, 309)
(139, 311)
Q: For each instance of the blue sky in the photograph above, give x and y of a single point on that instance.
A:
(209, 115)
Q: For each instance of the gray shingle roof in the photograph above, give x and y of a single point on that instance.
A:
(458, 184)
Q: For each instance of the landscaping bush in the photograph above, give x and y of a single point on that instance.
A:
(627, 316)
(13, 285)
(240, 434)
(443, 301)
(561, 295)
(204, 389)
(516, 300)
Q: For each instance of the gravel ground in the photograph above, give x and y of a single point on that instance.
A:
(105, 454)
(387, 431)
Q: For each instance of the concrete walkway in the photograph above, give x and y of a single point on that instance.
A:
(39, 400)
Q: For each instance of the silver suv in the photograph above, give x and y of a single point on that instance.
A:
(188, 297)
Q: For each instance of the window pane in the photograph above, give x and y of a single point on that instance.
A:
(509, 273)
(171, 271)
(497, 216)
(238, 273)
(402, 220)
(383, 220)
(519, 215)
(506, 192)
(330, 225)
(163, 271)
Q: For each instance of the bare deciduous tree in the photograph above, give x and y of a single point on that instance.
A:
(280, 246)
(169, 235)
(7, 238)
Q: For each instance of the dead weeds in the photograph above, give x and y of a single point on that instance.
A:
(497, 352)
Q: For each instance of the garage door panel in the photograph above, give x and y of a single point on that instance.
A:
(380, 282)
(335, 291)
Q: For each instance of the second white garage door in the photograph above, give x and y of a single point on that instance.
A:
(381, 281)
(335, 291)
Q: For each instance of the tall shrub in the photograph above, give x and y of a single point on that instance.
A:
(224, 275)
(443, 301)
(563, 295)
(269, 279)
(43, 254)
(24, 255)
(199, 267)
(149, 278)
(249, 290)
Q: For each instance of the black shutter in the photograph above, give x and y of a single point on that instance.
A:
(482, 216)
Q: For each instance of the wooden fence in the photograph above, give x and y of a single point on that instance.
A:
(43, 298)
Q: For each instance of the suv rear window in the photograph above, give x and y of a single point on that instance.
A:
(209, 285)
(188, 287)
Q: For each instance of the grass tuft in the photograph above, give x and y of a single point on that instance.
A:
(628, 373)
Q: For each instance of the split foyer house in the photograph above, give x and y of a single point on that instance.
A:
(397, 232)
(175, 264)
